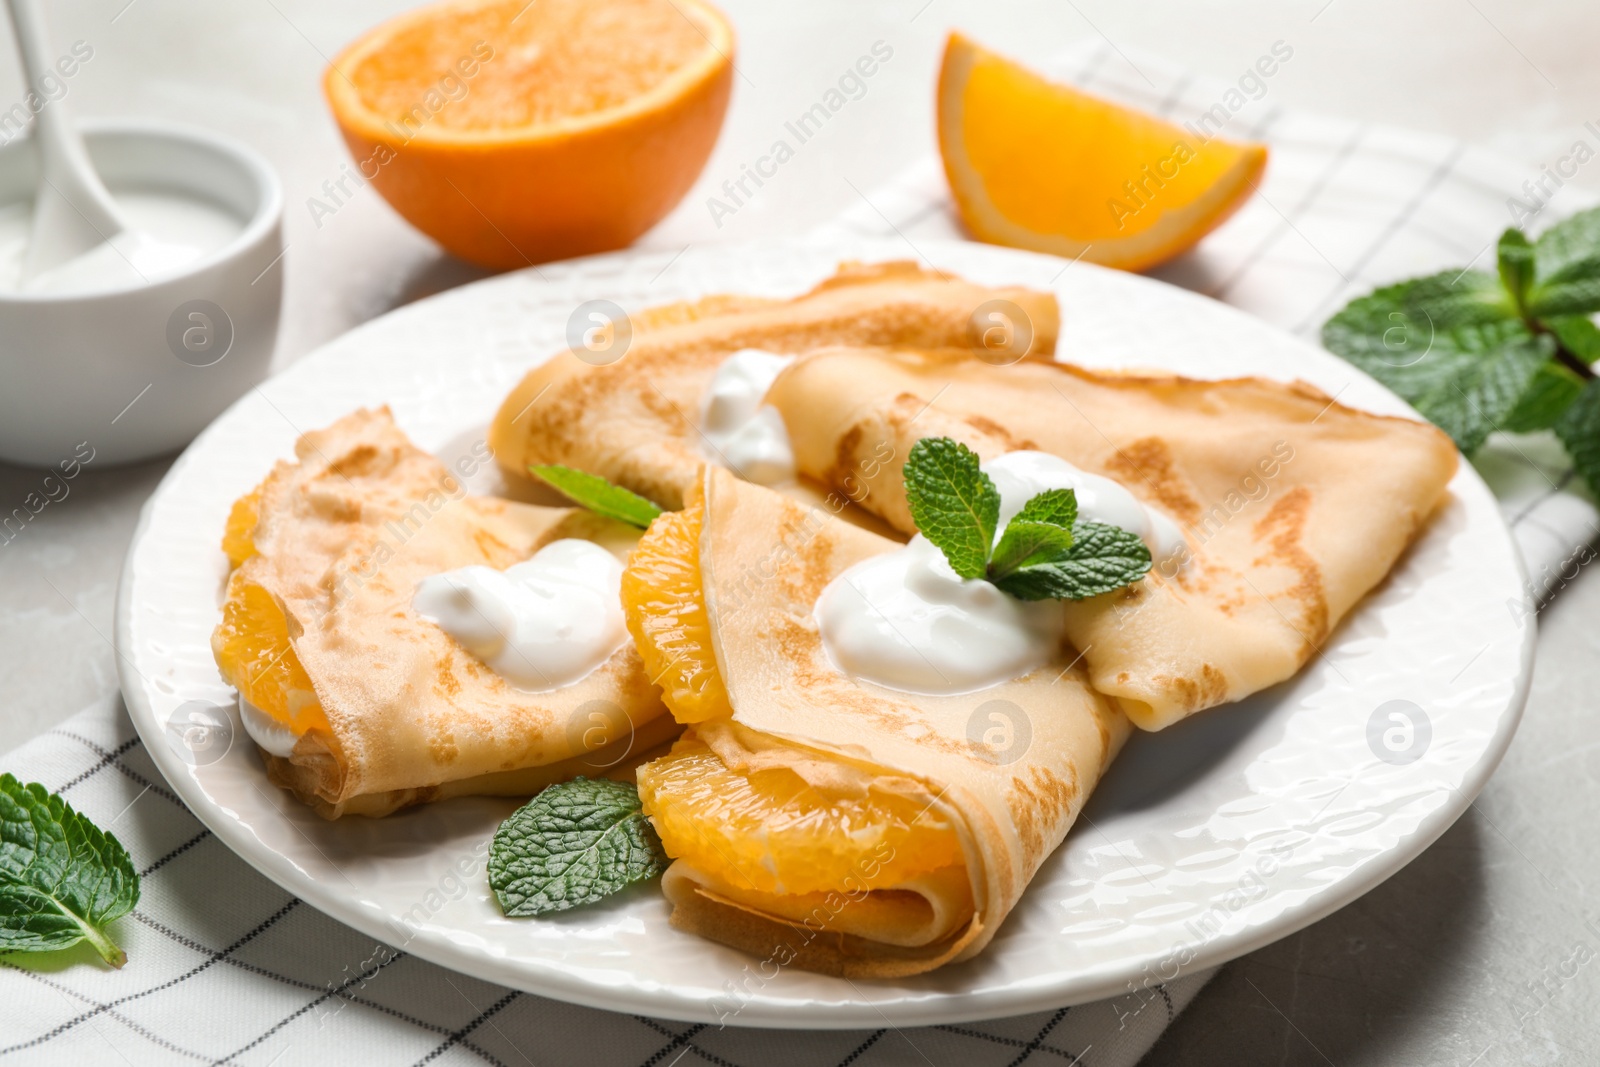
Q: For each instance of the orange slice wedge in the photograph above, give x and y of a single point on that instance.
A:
(1042, 166)
(238, 537)
(768, 830)
(513, 132)
(771, 832)
(254, 655)
(663, 603)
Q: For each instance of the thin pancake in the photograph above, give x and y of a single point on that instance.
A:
(765, 561)
(342, 537)
(634, 421)
(1294, 506)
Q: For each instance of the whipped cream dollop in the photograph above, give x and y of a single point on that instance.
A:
(541, 624)
(264, 730)
(905, 620)
(741, 432)
(1021, 476)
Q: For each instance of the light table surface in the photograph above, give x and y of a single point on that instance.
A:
(1481, 952)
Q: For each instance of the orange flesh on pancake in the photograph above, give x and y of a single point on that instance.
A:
(252, 645)
(666, 614)
(238, 538)
(767, 830)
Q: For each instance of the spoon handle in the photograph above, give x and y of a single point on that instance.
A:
(65, 172)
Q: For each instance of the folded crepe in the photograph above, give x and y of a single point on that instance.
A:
(319, 633)
(821, 821)
(635, 421)
(1293, 506)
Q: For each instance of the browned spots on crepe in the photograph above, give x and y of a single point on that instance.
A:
(446, 678)
(1035, 803)
(902, 412)
(815, 557)
(443, 748)
(844, 458)
(359, 462)
(492, 547)
(1208, 690)
(1283, 528)
(1148, 462)
(989, 427)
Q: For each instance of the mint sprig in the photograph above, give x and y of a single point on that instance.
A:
(1476, 352)
(575, 843)
(598, 495)
(1044, 552)
(953, 502)
(62, 879)
(1100, 559)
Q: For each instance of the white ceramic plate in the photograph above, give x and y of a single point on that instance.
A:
(1206, 841)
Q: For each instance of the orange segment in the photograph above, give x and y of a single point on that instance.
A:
(665, 610)
(253, 653)
(1037, 165)
(514, 132)
(238, 536)
(771, 832)
(767, 831)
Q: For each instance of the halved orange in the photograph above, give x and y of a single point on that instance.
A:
(1042, 166)
(516, 131)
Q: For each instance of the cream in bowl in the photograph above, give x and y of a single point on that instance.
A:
(133, 348)
(167, 233)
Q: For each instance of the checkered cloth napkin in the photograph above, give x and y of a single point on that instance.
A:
(225, 967)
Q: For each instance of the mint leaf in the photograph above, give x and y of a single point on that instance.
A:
(1040, 533)
(953, 503)
(1578, 334)
(1551, 392)
(1515, 257)
(1567, 267)
(575, 843)
(1059, 507)
(1452, 344)
(1471, 389)
(1579, 430)
(599, 496)
(62, 879)
(1102, 558)
(1466, 379)
(1398, 325)
(1028, 544)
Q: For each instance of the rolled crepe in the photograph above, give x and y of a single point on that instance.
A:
(394, 711)
(1000, 803)
(635, 421)
(1293, 506)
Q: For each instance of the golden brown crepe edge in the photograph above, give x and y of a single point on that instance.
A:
(514, 448)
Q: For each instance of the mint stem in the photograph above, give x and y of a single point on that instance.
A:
(104, 945)
(1574, 364)
(1564, 356)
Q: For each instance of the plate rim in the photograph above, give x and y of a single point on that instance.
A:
(916, 1008)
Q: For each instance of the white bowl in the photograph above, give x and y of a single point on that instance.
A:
(135, 372)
